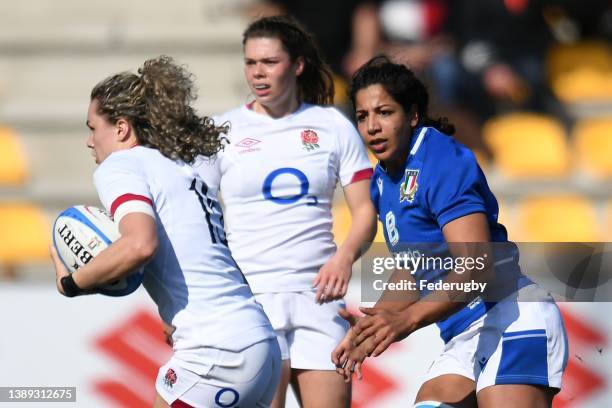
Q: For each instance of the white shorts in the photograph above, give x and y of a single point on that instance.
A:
(307, 333)
(513, 343)
(247, 378)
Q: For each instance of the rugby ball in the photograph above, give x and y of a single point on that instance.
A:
(79, 234)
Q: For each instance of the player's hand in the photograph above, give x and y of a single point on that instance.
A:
(354, 360)
(381, 326)
(342, 350)
(333, 278)
(60, 269)
(346, 345)
(348, 359)
(340, 354)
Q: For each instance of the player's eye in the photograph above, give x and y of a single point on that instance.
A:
(361, 117)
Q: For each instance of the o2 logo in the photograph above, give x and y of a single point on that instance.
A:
(227, 397)
(303, 183)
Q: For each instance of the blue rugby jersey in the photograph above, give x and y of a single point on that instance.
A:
(441, 182)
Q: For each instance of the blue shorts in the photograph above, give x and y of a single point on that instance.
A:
(515, 342)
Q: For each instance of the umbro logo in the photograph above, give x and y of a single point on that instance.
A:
(247, 145)
(248, 142)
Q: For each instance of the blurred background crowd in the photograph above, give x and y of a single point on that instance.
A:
(528, 84)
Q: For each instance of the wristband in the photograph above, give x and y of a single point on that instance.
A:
(70, 287)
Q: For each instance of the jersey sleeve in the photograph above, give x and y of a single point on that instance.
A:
(122, 187)
(354, 163)
(456, 187)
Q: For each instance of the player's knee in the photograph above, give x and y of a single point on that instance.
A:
(431, 404)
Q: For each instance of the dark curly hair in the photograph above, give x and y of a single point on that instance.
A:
(402, 85)
(316, 83)
(157, 103)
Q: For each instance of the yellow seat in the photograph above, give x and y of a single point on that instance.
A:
(13, 168)
(593, 145)
(342, 224)
(24, 234)
(561, 218)
(527, 145)
(566, 57)
(581, 72)
(583, 85)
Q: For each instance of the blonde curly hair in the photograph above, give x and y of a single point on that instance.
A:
(157, 103)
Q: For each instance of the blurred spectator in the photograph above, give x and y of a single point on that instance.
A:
(572, 21)
(410, 31)
(499, 59)
(333, 23)
(413, 30)
(493, 61)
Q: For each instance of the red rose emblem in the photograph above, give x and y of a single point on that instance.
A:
(170, 377)
(310, 136)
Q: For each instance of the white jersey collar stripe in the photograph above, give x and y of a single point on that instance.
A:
(418, 142)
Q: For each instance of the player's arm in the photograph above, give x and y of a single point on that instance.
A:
(467, 236)
(135, 247)
(333, 278)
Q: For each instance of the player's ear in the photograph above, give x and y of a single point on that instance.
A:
(299, 66)
(413, 116)
(123, 129)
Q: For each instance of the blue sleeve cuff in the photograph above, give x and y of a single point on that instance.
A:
(458, 212)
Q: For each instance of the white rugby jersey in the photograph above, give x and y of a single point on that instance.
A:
(278, 177)
(192, 277)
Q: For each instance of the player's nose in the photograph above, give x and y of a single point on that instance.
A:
(373, 125)
(258, 70)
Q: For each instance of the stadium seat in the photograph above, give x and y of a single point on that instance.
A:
(24, 235)
(13, 168)
(581, 72)
(593, 145)
(527, 145)
(562, 218)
